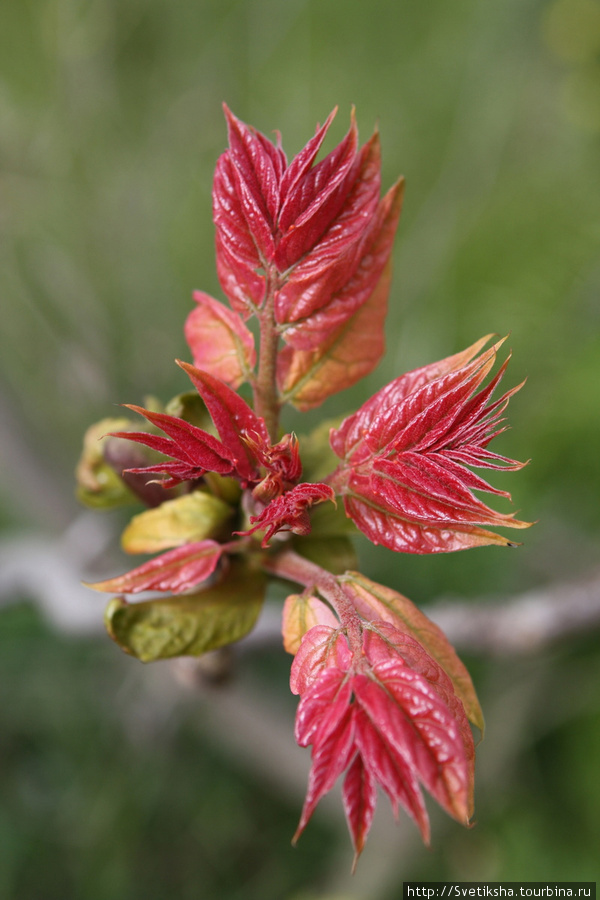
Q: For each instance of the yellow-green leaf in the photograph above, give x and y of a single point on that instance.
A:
(190, 624)
(190, 407)
(192, 517)
(302, 612)
(98, 485)
(318, 459)
(376, 600)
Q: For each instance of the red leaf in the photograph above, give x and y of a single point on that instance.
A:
(282, 462)
(238, 260)
(220, 342)
(391, 716)
(332, 261)
(233, 419)
(385, 642)
(329, 759)
(197, 451)
(307, 377)
(176, 571)
(376, 601)
(315, 232)
(256, 183)
(403, 477)
(391, 771)
(359, 796)
(313, 200)
(322, 707)
(351, 432)
(290, 511)
(320, 648)
(344, 270)
(301, 164)
(420, 728)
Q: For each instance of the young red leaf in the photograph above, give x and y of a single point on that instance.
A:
(391, 770)
(418, 725)
(257, 182)
(195, 450)
(359, 796)
(332, 289)
(390, 716)
(315, 234)
(344, 341)
(323, 706)
(307, 377)
(332, 261)
(294, 175)
(311, 202)
(404, 479)
(376, 601)
(289, 512)
(282, 462)
(344, 440)
(384, 642)
(238, 259)
(233, 419)
(330, 757)
(320, 648)
(220, 342)
(176, 571)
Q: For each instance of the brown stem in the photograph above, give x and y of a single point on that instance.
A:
(293, 567)
(266, 400)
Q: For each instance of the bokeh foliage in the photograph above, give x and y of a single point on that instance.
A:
(111, 124)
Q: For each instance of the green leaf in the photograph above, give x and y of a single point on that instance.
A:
(318, 459)
(192, 517)
(98, 485)
(336, 554)
(328, 520)
(190, 407)
(191, 624)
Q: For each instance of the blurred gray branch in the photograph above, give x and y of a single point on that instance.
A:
(49, 571)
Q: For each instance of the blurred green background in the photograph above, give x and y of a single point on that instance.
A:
(112, 781)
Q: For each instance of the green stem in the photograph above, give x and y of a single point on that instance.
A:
(266, 399)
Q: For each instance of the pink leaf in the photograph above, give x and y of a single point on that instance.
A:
(351, 432)
(307, 377)
(220, 342)
(311, 202)
(256, 182)
(176, 571)
(316, 233)
(332, 291)
(323, 705)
